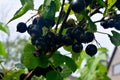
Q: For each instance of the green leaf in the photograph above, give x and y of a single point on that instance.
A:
(47, 2)
(115, 39)
(103, 50)
(57, 59)
(12, 74)
(53, 75)
(21, 11)
(4, 28)
(57, 4)
(20, 66)
(66, 72)
(68, 48)
(90, 67)
(31, 3)
(92, 26)
(110, 3)
(102, 3)
(49, 11)
(30, 61)
(101, 68)
(2, 50)
(70, 63)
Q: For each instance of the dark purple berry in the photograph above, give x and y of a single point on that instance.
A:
(91, 49)
(117, 4)
(104, 24)
(22, 76)
(77, 47)
(49, 23)
(34, 30)
(117, 25)
(67, 40)
(78, 34)
(111, 23)
(89, 36)
(39, 21)
(21, 27)
(77, 5)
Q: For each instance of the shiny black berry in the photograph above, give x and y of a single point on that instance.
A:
(117, 4)
(39, 21)
(22, 76)
(91, 49)
(67, 40)
(77, 5)
(104, 24)
(111, 23)
(34, 30)
(77, 47)
(21, 27)
(49, 23)
(78, 34)
(89, 36)
(50, 38)
(117, 25)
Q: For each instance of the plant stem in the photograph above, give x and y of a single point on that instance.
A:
(67, 14)
(60, 14)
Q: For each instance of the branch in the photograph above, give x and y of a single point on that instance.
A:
(60, 14)
(67, 14)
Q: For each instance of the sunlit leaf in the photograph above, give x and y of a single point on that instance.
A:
(4, 28)
(21, 11)
(110, 3)
(2, 50)
(103, 50)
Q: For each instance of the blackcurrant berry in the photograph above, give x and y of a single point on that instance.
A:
(70, 31)
(58, 39)
(78, 34)
(117, 4)
(21, 27)
(22, 76)
(117, 25)
(49, 23)
(35, 31)
(89, 36)
(77, 5)
(111, 23)
(67, 40)
(91, 49)
(39, 21)
(77, 47)
(104, 24)
(38, 71)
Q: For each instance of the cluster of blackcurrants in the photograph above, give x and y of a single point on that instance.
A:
(110, 23)
(49, 42)
(76, 36)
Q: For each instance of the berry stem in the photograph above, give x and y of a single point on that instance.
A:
(29, 75)
(31, 17)
(67, 14)
(102, 32)
(60, 14)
